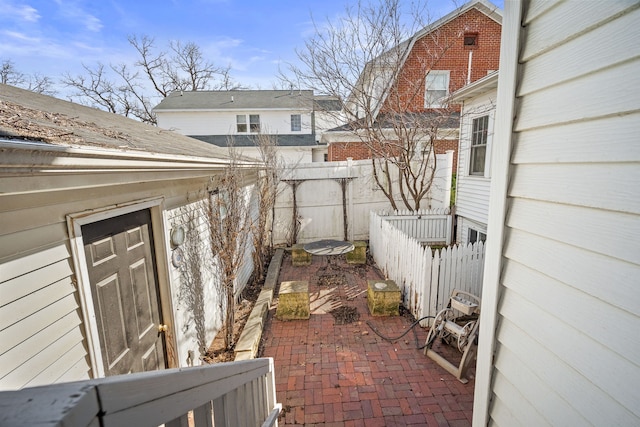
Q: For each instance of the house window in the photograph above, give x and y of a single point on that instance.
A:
(296, 123)
(254, 123)
(436, 89)
(470, 40)
(479, 145)
(476, 236)
(241, 123)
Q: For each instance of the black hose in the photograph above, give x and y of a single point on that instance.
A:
(374, 329)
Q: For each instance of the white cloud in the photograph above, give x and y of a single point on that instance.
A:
(20, 12)
(75, 13)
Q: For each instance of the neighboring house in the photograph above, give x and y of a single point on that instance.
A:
(88, 204)
(478, 101)
(561, 295)
(457, 49)
(293, 117)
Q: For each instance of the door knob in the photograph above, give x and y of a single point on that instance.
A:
(162, 328)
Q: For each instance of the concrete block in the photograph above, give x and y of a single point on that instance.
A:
(299, 256)
(293, 300)
(383, 298)
(359, 253)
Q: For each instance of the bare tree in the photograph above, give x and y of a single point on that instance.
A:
(9, 75)
(267, 190)
(133, 90)
(36, 82)
(360, 61)
(229, 224)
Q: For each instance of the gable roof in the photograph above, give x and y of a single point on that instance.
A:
(28, 116)
(237, 100)
(404, 48)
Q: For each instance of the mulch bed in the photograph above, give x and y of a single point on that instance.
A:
(217, 351)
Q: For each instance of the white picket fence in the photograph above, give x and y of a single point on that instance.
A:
(425, 277)
(425, 225)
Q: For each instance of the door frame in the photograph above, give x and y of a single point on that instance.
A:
(75, 222)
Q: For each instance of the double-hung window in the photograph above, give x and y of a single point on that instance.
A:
(296, 123)
(254, 123)
(436, 89)
(479, 132)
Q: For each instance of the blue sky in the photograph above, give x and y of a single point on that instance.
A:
(51, 37)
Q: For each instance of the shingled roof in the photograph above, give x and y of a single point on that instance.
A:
(238, 100)
(28, 116)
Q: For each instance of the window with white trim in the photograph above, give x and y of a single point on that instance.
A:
(476, 236)
(478, 154)
(296, 123)
(436, 89)
(254, 123)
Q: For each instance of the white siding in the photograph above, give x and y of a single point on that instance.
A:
(224, 122)
(472, 191)
(42, 334)
(569, 303)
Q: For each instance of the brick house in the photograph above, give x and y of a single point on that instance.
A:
(455, 50)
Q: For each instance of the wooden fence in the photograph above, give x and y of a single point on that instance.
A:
(425, 277)
(430, 226)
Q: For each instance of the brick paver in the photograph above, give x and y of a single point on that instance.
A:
(345, 375)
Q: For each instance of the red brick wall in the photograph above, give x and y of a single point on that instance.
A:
(339, 151)
(443, 49)
(443, 145)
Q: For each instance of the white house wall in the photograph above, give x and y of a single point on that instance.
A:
(472, 191)
(42, 335)
(187, 341)
(565, 280)
(224, 122)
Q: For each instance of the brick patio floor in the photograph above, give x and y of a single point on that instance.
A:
(345, 375)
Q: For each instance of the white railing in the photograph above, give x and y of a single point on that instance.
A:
(429, 226)
(425, 277)
(224, 394)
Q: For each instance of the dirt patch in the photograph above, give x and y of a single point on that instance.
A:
(345, 315)
(217, 351)
(331, 280)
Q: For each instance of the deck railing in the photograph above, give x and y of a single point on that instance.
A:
(225, 394)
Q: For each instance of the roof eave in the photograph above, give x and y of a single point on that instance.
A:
(40, 157)
(483, 85)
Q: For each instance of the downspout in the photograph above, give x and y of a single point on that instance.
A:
(469, 66)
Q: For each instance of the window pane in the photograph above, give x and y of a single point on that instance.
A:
(437, 88)
(475, 236)
(254, 123)
(477, 160)
(296, 124)
(478, 145)
(241, 121)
